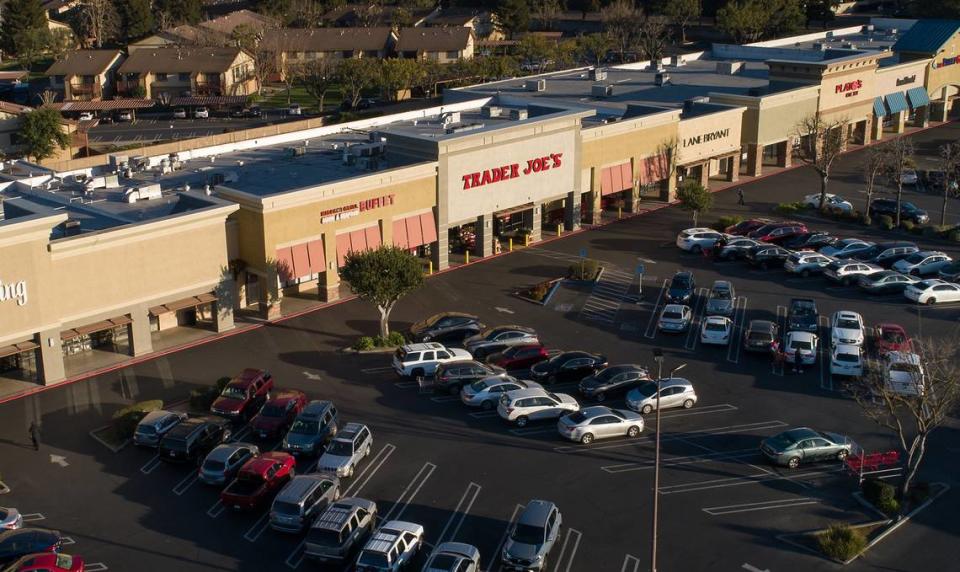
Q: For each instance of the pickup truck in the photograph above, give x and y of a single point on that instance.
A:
(258, 480)
(244, 395)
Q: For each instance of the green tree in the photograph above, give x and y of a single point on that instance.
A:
(136, 19)
(783, 18)
(694, 197)
(382, 276)
(949, 163)
(593, 48)
(536, 50)
(897, 160)
(32, 43)
(397, 75)
(356, 75)
(176, 12)
(317, 77)
(820, 11)
(513, 16)
(244, 36)
(59, 42)
(651, 41)
(743, 20)
(546, 12)
(41, 131)
(430, 73)
(621, 22)
(681, 12)
(21, 17)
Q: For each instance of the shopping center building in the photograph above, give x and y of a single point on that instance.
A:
(147, 250)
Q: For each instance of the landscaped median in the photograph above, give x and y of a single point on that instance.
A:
(123, 424)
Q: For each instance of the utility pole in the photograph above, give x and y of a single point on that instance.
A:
(658, 357)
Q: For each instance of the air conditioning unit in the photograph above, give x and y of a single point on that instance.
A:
(519, 114)
(297, 151)
(601, 90)
(598, 74)
(490, 111)
(661, 79)
(144, 193)
(819, 46)
(729, 68)
(536, 85)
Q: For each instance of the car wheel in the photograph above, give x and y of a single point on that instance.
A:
(522, 421)
(600, 397)
(842, 455)
(688, 404)
(367, 452)
(586, 438)
(633, 431)
(486, 405)
(417, 373)
(931, 301)
(805, 274)
(794, 462)
(646, 409)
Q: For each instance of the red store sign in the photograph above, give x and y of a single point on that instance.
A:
(512, 171)
(850, 88)
(354, 209)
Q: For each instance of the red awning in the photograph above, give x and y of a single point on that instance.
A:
(357, 241)
(414, 232)
(615, 179)
(653, 169)
(19, 348)
(301, 260)
(400, 233)
(374, 239)
(429, 226)
(285, 264)
(343, 247)
(318, 260)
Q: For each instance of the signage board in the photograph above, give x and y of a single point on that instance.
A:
(849, 88)
(353, 209)
(14, 292)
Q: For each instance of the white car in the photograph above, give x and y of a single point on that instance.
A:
(932, 291)
(922, 263)
(846, 327)
(696, 239)
(421, 360)
(832, 202)
(201, 113)
(522, 406)
(675, 318)
(86, 116)
(805, 343)
(806, 263)
(847, 273)
(845, 247)
(909, 177)
(486, 393)
(847, 360)
(179, 113)
(716, 330)
(294, 109)
(903, 373)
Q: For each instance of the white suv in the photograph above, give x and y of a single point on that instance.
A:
(696, 239)
(524, 405)
(391, 547)
(848, 273)
(421, 360)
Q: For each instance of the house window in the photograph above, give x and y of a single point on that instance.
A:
(453, 55)
(161, 77)
(347, 53)
(183, 77)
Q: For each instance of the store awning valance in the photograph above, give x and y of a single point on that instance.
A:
(878, 108)
(95, 327)
(414, 231)
(896, 102)
(917, 97)
(14, 349)
(301, 260)
(356, 241)
(615, 179)
(190, 302)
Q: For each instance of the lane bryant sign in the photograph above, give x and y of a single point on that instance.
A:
(512, 171)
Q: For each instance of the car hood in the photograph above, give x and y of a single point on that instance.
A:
(521, 550)
(333, 461)
(847, 334)
(227, 404)
(266, 423)
(301, 438)
(719, 304)
(679, 292)
(567, 399)
(459, 353)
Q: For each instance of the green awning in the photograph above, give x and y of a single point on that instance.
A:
(917, 97)
(896, 102)
(878, 108)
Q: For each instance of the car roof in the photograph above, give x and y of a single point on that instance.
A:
(596, 411)
(261, 464)
(300, 485)
(509, 327)
(526, 392)
(699, 229)
(423, 346)
(675, 381)
(721, 284)
(890, 326)
(798, 335)
(801, 433)
(536, 513)
(683, 274)
(761, 325)
(432, 319)
(675, 307)
(929, 253)
(575, 354)
(315, 408)
(339, 512)
(284, 396)
(846, 314)
(349, 431)
(847, 349)
(223, 451)
(156, 416)
(903, 357)
(718, 319)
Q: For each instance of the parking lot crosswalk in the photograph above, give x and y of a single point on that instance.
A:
(608, 294)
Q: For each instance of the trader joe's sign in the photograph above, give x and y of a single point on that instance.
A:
(512, 171)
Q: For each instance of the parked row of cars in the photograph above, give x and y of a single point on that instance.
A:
(29, 549)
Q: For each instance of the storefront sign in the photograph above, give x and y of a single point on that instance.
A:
(512, 171)
(944, 62)
(14, 291)
(354, 209)
(849, 89)
(705, 137)
(907, 80)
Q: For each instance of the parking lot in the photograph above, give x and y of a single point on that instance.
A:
(464, 474)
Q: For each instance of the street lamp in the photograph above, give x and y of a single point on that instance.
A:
(658, 357)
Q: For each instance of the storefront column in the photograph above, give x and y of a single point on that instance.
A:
(754, 159)
(484, 236)
(240, 284)
(900, 122)
(939, 110)
(571, 211)
(270, 297)
(922, 117)
(734, 174)
(139, 332)
(440, 252)
(671, 184)
(633, 197)
(705, 175)
(532, 221)
(50, 366)
(877, 129)
(223, 307)
(863, 130)
(596, 210)
(328, 285)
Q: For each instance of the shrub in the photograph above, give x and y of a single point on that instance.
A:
(396, 339)
(586, 269)
(125, 420)
(907, 225)
(886, 222)
(539, 292)
(726, 221)
(785, 209)
(881, 495)
(865, 219)
(364, 343)
(889, 507)
(841, 541)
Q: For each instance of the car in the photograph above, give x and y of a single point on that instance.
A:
(674, 392)
(446, 327)
(716, 330)
(613, 380)
(301, 500)
(599, 422)
(343, 526)
(804, 445)
(499, 338)
(775, 234)
(846, 360)
(294, 109)
(745, 227)
(932, 291)
(124, 116)
(720, 300)
(908, 211)
(682, 288)
(201, 113)
(696, 240)
(806, 263)
(344, 452)
(766, 229)
(486, 393)
(803, 342)
(179, 113)
(675, 318)
(808, 241)
(531, 538)
(191, 440)
(258, 480)
(735, 248)
(886, 254)
(154, 426)
(534, 404)
(243, 395)
(937, 180)
(520, 356)
(277, 414)
(568, 366)
(451, 377)
(848, 272)
(312, 429)
(391, 547)
(422, 360)
(909, 177)
(846, 327)
(86, 116)
(253, 111)
(845, 247)
(223, 463)
(922, 263)
(10, 519)
(885, 282)
(903, 373)
(453, 557)
(831, 201)
(803, 315)
(761, 336)
(950, 272)
(48, 562)
(889, 337)
(15, 544)
(767, 256)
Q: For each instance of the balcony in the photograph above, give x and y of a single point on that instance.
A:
(85, 91)
(207, 88)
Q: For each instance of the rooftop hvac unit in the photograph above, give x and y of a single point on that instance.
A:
(536, 85)
(729, 68)
(849, 45)
(519, 114)
(217, 179)
(661, 79)
(598, 74)
(868, 28)
(348, 157)
(490, 111)
(677, 61)
(819, 46)
(464, 127)
(601, 90)
(144, 193)
(368, 149)
(297, 151)
(892, 31)
(71, 227)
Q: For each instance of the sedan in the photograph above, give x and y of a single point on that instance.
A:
(179, 113)
(846, 328)
(599, 422)
(885, 282)
(613, 380)
(932, 292)
(735, 248)
(950, 272)
(151, 429)
(923, 263)
(518, 357)
(903, 373)
(15, 544)
(682, 288)
(486, 393)
(767, 256)
(806, 263)
(846, 247)
(908, 211)
(802, 343)
(453, 557)
(675, 318)
(831, 202)
(745, 227)
(10, 519)
(222, 464)
(808, 241)
(568, 366)
(716, 330)
(721, 299)
(891, 338)
(47, 562)
(804, 445)
(846, 360)
(761, 336)
(446, 327)
(492, 340)
(278, 413)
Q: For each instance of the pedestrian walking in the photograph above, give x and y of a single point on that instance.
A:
(740, 197)
(797, 366)
(35, 435)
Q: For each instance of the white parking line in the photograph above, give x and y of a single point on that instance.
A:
(757, 506)
(503, 537)
(150, 465)
(680, 461)
(406, 497)
(185, 484)
(693, 330)
(216, 510)
(712, 432)
(255, 531)
(626, 564)
(296, 557)
(719, 408)
(739, 313)
(576, 536)
(95, 567)
(371, 469)
(651, 331)
(473, 490)
(67, 541)
(743, 480)
(33, 517)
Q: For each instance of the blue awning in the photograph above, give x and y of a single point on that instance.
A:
(878, 108)
(896, 102)
(918, 97)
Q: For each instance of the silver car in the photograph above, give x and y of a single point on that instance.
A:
(674, 392)
(453, 557)
(223, 463)
(675, 318)
(721, 299)
(532, 537)
(301, 500)
(804, 445)
(154, 426)
(599, 422)
(498, 338)
(10, 519)
(343, 453)
(486, 393)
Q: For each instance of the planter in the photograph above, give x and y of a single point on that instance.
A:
(594, 280)
(548, 287)
(107, 437)
(380, 350)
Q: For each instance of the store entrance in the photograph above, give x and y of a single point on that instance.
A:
(19, 362)
(96, 345)
(512, 227)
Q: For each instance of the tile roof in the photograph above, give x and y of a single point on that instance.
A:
(326, 39)
(13, 108)
(433, 39)
(180, 60)
(83, 62)
(927, 36)
(227, 23)
(453, 16)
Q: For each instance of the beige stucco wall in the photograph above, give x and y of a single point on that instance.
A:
(23, 250)
(840, 99)
(619, 142)
(710, 135)
(772, 118)
(901, 77)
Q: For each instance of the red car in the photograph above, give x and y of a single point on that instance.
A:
(278, 413)
(258, 480)
(244, 395)
(891, 338)
(743, 228)
(778, 233)
(47, 562)
(519, 357)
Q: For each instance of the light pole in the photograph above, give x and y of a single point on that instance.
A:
(658, 357)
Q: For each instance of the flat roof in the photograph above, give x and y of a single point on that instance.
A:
(445, 126)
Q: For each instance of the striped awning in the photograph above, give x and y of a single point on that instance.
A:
(878, 108)
(896, 102)
(182, 304)
(95, 327)
(917, 97)
(14, 349)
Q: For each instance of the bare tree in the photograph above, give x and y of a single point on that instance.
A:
(872, 169)
(915, 409)
(264, 65)
(546, 12)
(821, 142)
(651, 40)
(897, 160)
(99, 19)
(621, 22)
(950, 165)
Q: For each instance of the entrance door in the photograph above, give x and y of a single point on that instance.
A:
(253, 290)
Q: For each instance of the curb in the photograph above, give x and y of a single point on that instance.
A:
(349, 350)
(944, 489)
(93, 433)
(868, 505)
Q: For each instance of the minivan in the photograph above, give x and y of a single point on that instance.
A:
(312, 429)
(192, 439)
(342, 527)
(302, 500)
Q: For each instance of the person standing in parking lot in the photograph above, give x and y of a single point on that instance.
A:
(740, 197)
(34, 435)
(797, 365)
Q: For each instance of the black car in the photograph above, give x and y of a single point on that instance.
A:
(761, 336)
(191, 440)
(808, 241)
(446, 327)
(614, 380)
(886, 254)
(682, 287)
(908, 211)
(950, 272)
(802, 315)
(767, 256)
(452, 376)
(885, 282)
(567, 366)
(17, 543)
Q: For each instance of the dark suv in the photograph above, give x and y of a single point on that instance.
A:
(244, 395)
(446, 327)
(344, 526)
(451, 377)
(191, 439)
(315, 426)
(682, 287)
(802, 316)
(908, 211)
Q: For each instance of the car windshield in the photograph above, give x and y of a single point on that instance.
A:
(721, 293)
(479, 385)
(680, 282)
(802, 309)
(716, 327)
(904, 367)
(375, 559)
(892, 336)
(232, 392)
(848, 323)
(214, 466)
(526, 534)
(800, 345)
(915, 258)
(340, 448)
(909, 206)
(146, 429)
(848, 358)
(272, 411)
(647, 389)
(302, 427)
(672, 315)
(286, 508)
